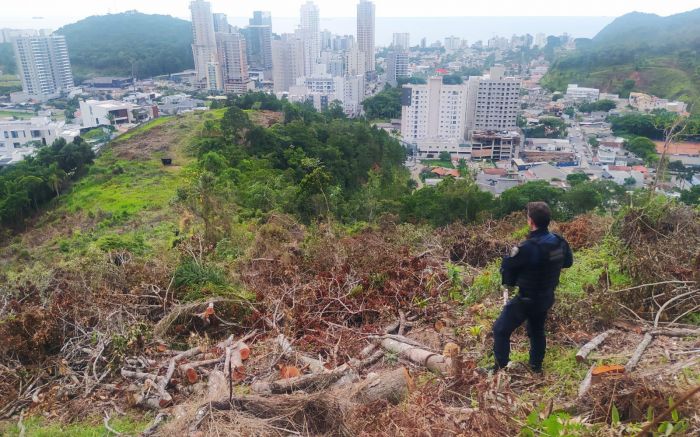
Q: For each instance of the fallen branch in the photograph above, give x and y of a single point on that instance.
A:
(153, 427)
(632, 363)
(668, 302)
(674, 332)
(668, 411)
(586, 383)
(105, 421)
(587, 348)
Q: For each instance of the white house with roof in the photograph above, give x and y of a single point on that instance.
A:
(95, 113)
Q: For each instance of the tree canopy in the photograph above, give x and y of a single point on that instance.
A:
(109, 44)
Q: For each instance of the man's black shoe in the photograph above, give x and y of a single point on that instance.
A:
(537, 370)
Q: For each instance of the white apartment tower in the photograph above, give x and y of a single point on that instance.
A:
(287, 62)
(433, 112)
(204, 43)
(43, 66)
(365, 33)
(354, 62)
(401, 41)
(310, 35)
(493, 102)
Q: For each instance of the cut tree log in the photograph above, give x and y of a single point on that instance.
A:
(315, 381)
(288, 351)
(592, 345)
(319, 411)
(433, 361)
(391, 387)
(632, 363)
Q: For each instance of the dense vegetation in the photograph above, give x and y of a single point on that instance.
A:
(7, 59)
(109, 44)
(600, 105)
(324, 166)
(652, 125)
(385, 104)
(637, 52)
(36, 180)
(547, 127)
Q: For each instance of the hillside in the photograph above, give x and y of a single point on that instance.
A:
(281, 277)
(637, 52)
(108, 44)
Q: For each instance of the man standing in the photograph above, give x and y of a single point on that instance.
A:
(534, 266)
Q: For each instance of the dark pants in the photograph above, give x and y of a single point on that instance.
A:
(516, 311)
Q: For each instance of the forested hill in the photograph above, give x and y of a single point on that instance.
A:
(108, 44)
(637, 52)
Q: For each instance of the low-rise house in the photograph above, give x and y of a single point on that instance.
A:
(95, 113)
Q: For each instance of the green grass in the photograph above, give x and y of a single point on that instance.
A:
(9, 83)
(144, 128)
(141, 186)
(17, 114)
(589, 265)
(37, 427)
(437, 163)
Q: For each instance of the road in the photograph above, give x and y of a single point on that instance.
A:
(580, 144)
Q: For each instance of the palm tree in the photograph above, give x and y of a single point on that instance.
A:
(55, 178)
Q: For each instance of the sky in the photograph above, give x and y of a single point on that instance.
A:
(338, 15)
(72, 10)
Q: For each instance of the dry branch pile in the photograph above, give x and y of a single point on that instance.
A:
(347, 335)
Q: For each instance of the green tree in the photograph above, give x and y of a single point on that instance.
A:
(576, 178)
(445, 156)
(580, 199)
(691, 196)
(385, 104)
(234, 124)
(517, 198)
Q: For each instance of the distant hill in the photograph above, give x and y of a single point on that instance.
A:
(107, 45)
(637, 52)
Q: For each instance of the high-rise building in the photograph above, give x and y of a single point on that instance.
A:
(204, 44)
(354, 62)
(365, 33)
(540, 40)
(310, 35)
(433, 117)
(221, 23)
(453, 43)
(287, 62)
(326, 40)
(44, 66)
(231, 49)
(401, 41)
(493, 102)
(259, 41)
(396, 66)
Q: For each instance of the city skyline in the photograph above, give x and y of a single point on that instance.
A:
(330, 8)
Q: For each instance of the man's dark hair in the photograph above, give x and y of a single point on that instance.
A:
(540, 214)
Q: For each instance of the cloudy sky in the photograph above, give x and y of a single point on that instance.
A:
(54, 11)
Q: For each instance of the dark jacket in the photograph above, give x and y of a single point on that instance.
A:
(535, 265)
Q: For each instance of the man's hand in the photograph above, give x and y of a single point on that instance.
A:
(507, 289)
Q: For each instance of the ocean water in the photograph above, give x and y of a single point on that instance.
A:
(432, 28)
(469, 28)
